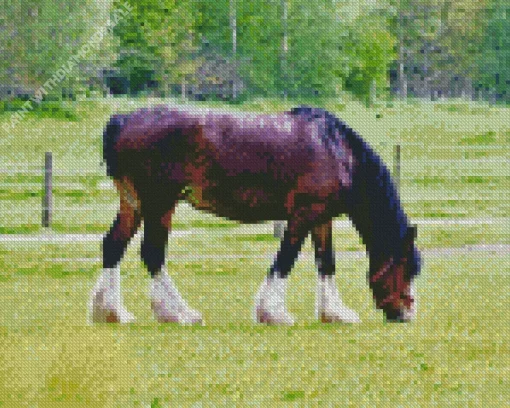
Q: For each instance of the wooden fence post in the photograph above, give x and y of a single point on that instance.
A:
(396, 166)
(279, 229)
(47, 197)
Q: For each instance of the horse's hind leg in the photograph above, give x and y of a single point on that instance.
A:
(328, 306)
(106, 299)
(167, 304)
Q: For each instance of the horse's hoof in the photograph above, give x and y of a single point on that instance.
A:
(190, 317)
(192, 321)
(184, 317)
(346, 316)
(126, 317)
(408, 315)
(103, 315)
(285, 319)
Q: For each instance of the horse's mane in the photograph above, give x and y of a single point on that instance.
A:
(373, 188)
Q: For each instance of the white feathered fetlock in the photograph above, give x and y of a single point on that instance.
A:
(167, 303)
(270, 303)
(329, 308)
(106, 304)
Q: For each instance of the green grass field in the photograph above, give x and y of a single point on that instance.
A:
(455, 354)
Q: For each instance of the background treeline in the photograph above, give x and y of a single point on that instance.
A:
(234, 49)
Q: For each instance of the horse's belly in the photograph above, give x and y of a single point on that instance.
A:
(242, 204)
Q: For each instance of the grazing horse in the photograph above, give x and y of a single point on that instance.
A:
(304, 166)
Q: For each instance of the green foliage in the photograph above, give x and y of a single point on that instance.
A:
(259, 40)
(317, 50)
(371, 49)
(234, 49)
(439, 43)
(159, 37)
(213, 23)
(494, 59)
(39, 36)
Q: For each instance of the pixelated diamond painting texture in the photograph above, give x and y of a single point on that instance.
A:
(254, 203)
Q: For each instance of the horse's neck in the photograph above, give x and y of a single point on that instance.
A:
(377, 214)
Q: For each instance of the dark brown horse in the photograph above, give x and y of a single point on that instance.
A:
(304, 166)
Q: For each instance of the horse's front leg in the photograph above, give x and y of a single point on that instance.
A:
(270, 301)
(329, 307)
(166, 301)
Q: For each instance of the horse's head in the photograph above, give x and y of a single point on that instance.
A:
(391, 280)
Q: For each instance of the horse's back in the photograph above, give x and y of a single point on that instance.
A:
(275, 145)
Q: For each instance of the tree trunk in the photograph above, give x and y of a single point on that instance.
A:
(467, 89)
(402, 80)
(492, 96)
(285, 47)
(233, 27)
(426, 78)
(373, 93)
(183, 89)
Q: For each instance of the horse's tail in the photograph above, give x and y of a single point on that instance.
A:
(110, 136)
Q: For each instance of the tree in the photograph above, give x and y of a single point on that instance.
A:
(314, 39)
(162, 37)
(494, 60)
(438, 41)
(36, 40)
(371, 51)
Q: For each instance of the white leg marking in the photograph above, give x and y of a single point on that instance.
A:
(270, 303)
(167, 303)
(105, 304)
(329, 308)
